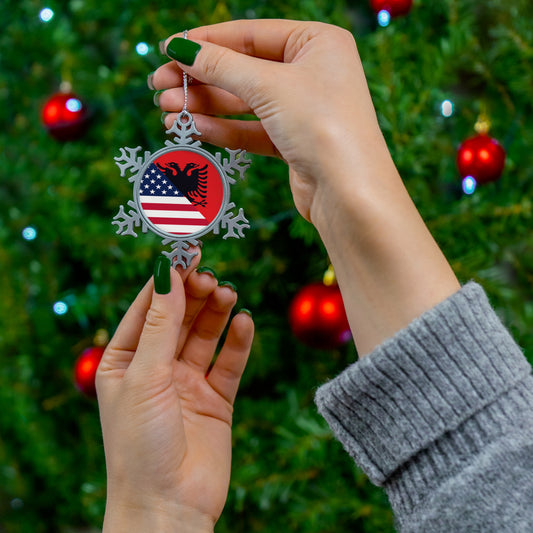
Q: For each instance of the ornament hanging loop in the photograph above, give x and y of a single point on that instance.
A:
(483, 123)
(184, 118)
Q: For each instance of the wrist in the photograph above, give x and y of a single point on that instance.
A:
(351, 169)
(389, 267)
(152, 516)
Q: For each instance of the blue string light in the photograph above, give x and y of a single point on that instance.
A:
(73, 104)
(142, 49)
(60, 308)
(46, 14)
(469, 185)
(29, 233)
(383, 18)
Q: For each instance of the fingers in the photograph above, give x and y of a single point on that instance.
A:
(226, 373)
(207, 329)
(231, 133)
(265, 39)
(237, 55)
(160, 333)
(198, 287)
(121, 348)
(271, 40)
(203, 98)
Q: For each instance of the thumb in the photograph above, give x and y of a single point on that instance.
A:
(212, 64)
(160, 333)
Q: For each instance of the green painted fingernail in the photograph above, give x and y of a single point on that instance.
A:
(232, 286)
(246, 311)
(183, 50)
(149, 81)
(163, 117)
(156, 97)
(201, 270)
(162, 275)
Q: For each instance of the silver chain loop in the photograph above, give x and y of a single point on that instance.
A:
(185, 81)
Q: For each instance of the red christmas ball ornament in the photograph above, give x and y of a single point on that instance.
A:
(395, 8)
(317, 316)
(85, 370)
(481, 157)
(65, 116)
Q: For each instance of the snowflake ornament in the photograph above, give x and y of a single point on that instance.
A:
(181, 192)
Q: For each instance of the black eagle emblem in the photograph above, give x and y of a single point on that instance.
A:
(191, 181)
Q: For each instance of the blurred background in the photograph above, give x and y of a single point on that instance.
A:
(452, 83)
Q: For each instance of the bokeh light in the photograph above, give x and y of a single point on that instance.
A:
(142, 49)
(29, 233)
(60, 308)
(383, 18)
(46, 14)
(446, 108)
(74, 105)
(469, 185)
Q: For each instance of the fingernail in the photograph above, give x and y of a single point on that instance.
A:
(162, 46)
(246, 311)
(208, 270)
(149, 81)
(162, 275)
(183, 50)
(156, 97)
(232, 286)
(163, 117)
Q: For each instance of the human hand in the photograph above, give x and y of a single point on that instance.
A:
(305, 83)
(303, 80)
(166, 415)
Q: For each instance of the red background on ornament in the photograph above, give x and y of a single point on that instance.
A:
(215, 190)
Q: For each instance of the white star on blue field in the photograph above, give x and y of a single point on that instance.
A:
(155, 182)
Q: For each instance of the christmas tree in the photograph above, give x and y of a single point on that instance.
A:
(433, 72)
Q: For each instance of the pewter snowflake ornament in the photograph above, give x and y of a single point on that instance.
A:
(181, 192)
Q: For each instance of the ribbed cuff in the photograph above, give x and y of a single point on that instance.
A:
(427, 380)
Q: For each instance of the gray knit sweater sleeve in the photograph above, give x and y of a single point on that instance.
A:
(441, 416)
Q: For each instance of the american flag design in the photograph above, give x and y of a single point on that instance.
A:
(167, 207)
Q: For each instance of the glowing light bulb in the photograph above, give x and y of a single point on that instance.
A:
(73, 104)
(46, 14)
(383, 18)
(29, 233)
(60, 308)
(446, 108)
(469, 185)
(142, 49)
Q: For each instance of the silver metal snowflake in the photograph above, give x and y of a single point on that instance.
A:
(181, 192)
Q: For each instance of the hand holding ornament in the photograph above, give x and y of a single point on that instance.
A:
(166, 413)
(305, 83)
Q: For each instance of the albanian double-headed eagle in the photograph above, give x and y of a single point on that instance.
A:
(191, 181)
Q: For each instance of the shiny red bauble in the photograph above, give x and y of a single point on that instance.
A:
(317, 316)
(65, 116)
(85, 370)
(481, 157)
(395, 8)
